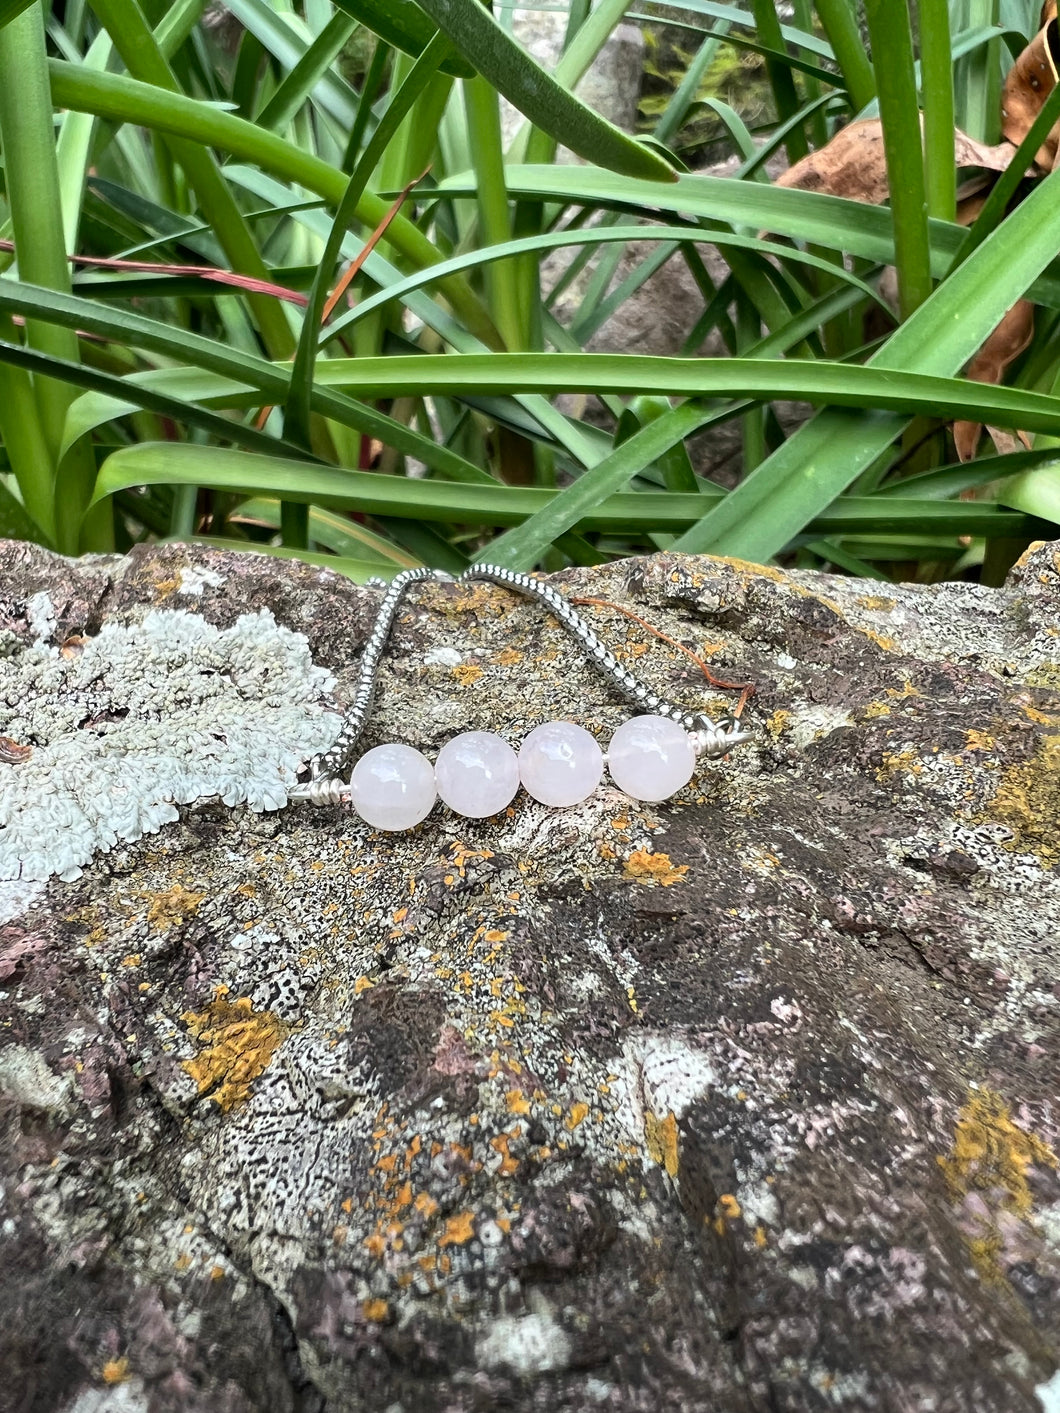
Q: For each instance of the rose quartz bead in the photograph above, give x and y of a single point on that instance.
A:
(560, 763)
(477, 774)
(392, 787)
(651, 757)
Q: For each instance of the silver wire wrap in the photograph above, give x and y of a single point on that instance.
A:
(710, 738)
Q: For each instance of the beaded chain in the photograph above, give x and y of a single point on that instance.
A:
(477, 774)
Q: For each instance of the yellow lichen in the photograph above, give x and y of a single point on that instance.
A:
(238, 1044)
(168, 909)
(875, 602)
(467, 673)
(992, 1156)
(577, 1115)
(376, 1311)
(660, 1134)
(645, 867)
(1028, 801)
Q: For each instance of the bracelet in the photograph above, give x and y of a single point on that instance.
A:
(477, 774)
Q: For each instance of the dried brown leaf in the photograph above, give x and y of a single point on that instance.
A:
(990, 364)
(854, 163)
(1028, 84)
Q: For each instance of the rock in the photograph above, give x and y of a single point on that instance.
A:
(747, 1101)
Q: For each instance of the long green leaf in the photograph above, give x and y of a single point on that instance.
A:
(176, 463)
(892, 53)
(548, 105)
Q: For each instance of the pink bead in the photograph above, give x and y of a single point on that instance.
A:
(477, 774)
(651, 757)
(560, 763)
(392, 787)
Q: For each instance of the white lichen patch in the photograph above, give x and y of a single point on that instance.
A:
(194, 578)
(149, 716)
(26, 1079)
(526, 1344)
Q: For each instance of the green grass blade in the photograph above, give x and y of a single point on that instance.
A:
(297, 86)
(840, 25)
(892, 54)
(936, 84)
(297, 404)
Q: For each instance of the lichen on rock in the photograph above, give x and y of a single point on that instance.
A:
(143, 717)
(743, 1101)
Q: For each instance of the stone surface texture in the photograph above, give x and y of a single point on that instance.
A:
(746, 1102)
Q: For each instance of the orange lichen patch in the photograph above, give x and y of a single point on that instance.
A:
(115, 1371)
(992, 1156)
(458, 1230)
(1028, 801)
(375, 1244)
(631, 997)
(425, 1204)
(495, 934)
(728, 1207)
(376, 1311)
(508, 1164)
(172, 907)
(238, 1044)
(876, 709)
(620, 821)
(661, 1138)
(578, 1114)
(508, 657)
(217, 1273)
(363, 983)
(517, 1102)
(467, 673)
(183, 1261)
(760, 1236)
(645, 867)
(132, 960)
(889, 645)
(339, 1234)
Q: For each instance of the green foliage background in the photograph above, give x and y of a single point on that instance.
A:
(422, 422)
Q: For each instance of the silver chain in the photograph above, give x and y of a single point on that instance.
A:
(711, 738)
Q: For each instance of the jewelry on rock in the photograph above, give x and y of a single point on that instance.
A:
(477, 774)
